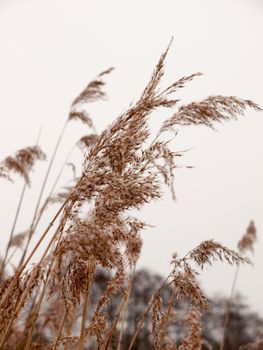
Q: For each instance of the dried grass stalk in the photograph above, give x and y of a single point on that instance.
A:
(124, 169)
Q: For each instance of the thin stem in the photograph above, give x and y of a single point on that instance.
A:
(70, 325)
(19, 305)
(44, 235)
(124, 315)
(228, 306)
(60, 329)
(4, 263)
(28, 322)
(167, 316)
(41, 211)
(14, 225)
(84, 315)
(41, 298)
(28, 286)
(36, 313)
(139, 327)
(151, 304)
(19, 271)
(31, 230)
(11, 256)
(116, 319)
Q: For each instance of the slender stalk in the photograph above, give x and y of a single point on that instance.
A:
(124, 315)
(19, 271)
(28, 322)
(28, 286)
(36, 313)
(116, 319)
(228, 306)
(19, 305)
(42, 209)
(139, 327)
(60, 329)
(4, 263)
(41, 299)
(84, 315)
(166, 319)
(14, 225)
(23, 264)
(31, 230)
(11, 256)
(70, 325)
(123, 305)
(44, 235)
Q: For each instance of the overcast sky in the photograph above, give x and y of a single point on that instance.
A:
(50, 50)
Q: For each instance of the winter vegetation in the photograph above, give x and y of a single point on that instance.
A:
(84, 291)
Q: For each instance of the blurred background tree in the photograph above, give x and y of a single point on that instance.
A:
(244, 324)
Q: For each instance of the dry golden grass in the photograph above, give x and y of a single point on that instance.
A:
(47, 305)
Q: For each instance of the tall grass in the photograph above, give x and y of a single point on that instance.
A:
(47, 305)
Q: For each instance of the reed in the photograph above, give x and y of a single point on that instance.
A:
(125, 167)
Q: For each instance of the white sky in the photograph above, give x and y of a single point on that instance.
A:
(49, 51)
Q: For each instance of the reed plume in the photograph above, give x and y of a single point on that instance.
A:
(124, 168)
(21, 163)
(245, 244)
